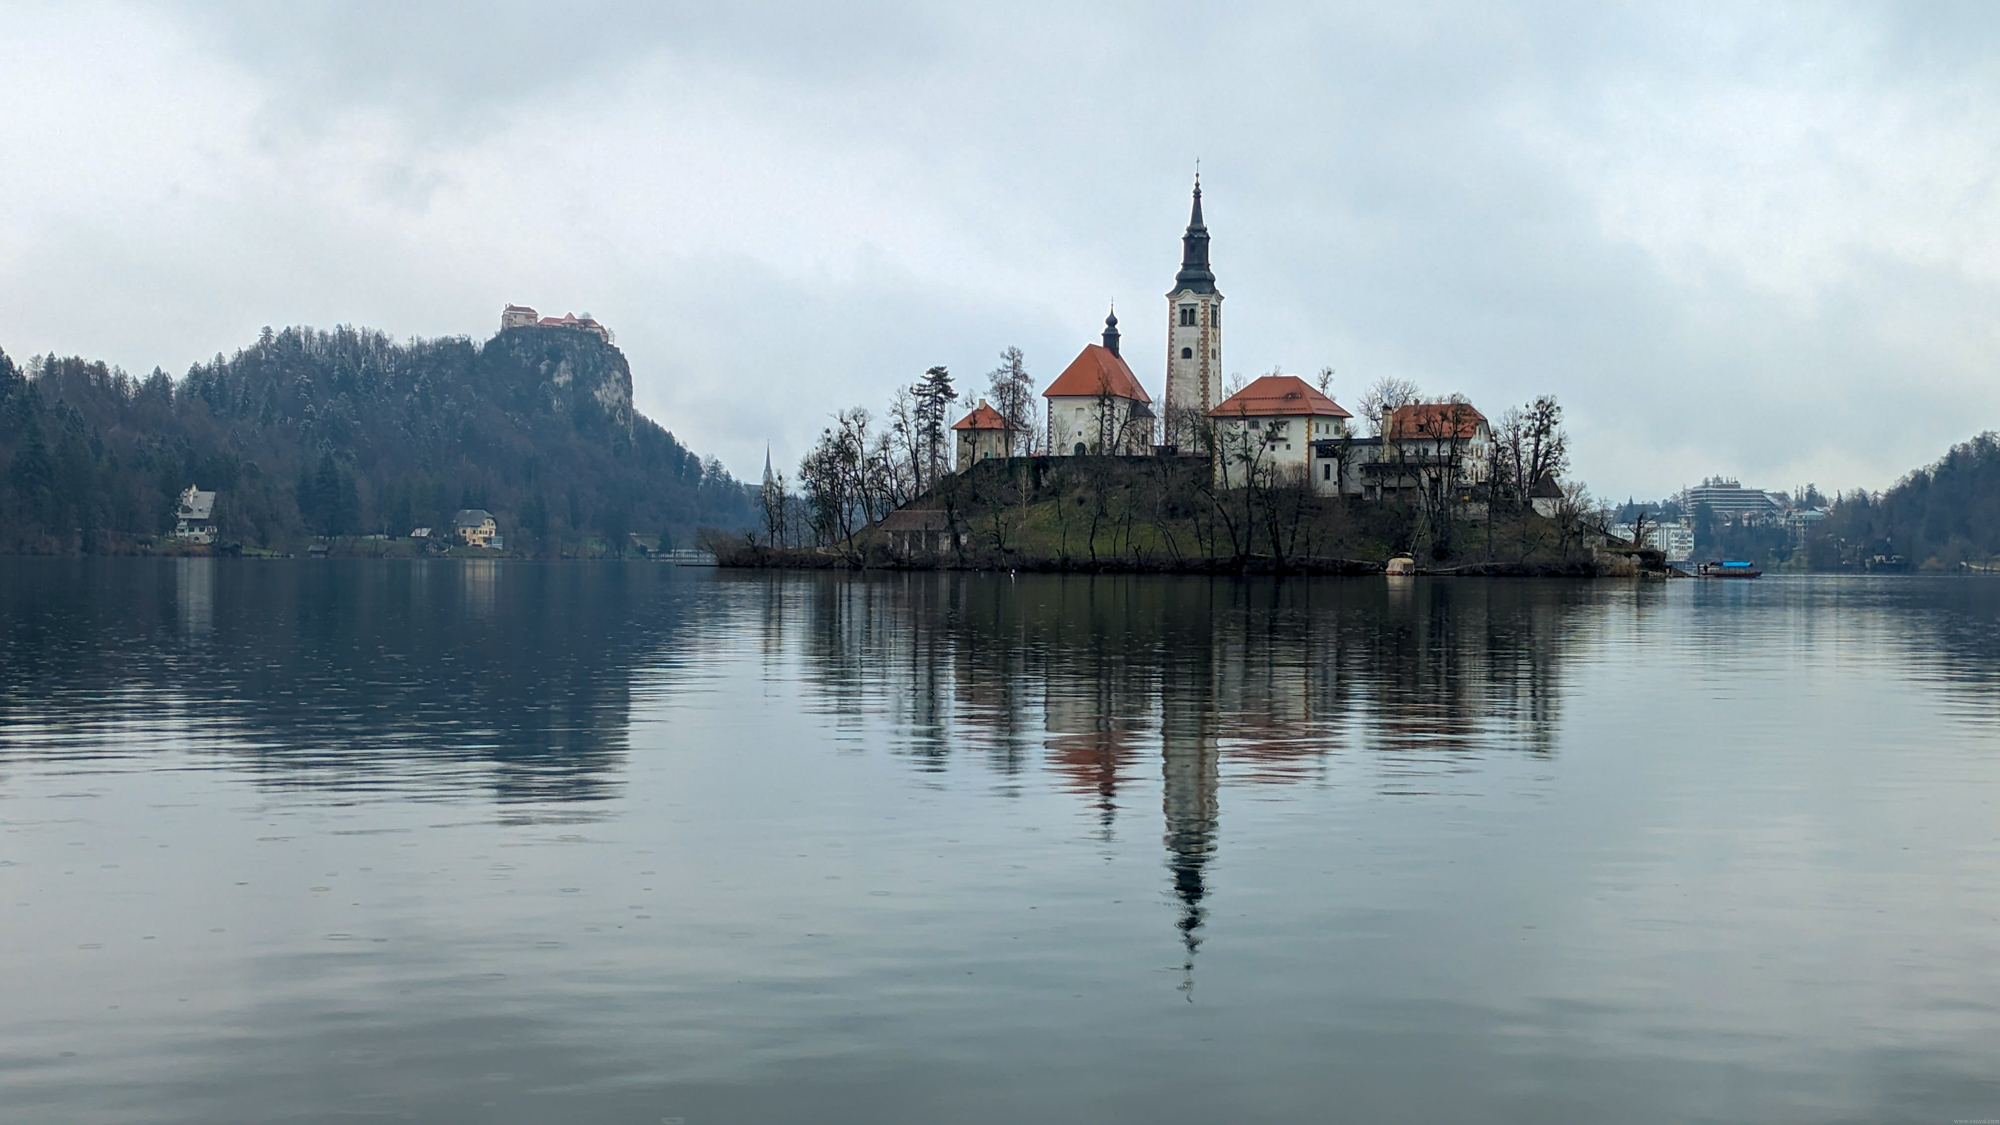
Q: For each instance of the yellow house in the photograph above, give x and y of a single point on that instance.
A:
(476, 527)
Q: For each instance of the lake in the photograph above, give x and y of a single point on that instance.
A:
(506, 842)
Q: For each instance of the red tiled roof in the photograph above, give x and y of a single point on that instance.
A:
(984, 418)
(1096, 371)
(1278, 396)
(1434, 421)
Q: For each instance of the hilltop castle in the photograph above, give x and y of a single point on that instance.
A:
(521, 316)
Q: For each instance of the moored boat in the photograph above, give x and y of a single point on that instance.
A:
(1727, 570)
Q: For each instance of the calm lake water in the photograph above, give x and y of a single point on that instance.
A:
(463, 841)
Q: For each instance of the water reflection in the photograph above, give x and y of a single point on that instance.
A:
(1253, 682)
(425, 679)
(194, 588)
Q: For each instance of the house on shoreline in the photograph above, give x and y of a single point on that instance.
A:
(194, 518)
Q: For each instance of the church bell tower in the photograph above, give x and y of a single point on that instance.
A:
(1194, 336)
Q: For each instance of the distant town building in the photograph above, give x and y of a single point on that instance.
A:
(1728, 499)
(521, 316)
(1800, 521)
(1096, 406)
(1674, 540)
(420, 533)
(194, 519)
(476, 527)
(1280, 422)
(982, 436)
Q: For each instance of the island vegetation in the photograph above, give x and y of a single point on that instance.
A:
(884, 493)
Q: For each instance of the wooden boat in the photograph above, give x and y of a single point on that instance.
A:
(1727, 570)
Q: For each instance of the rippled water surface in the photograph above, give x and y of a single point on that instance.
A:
(463, 841)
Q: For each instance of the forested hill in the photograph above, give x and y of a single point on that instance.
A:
(308, 433)
(1935, 518)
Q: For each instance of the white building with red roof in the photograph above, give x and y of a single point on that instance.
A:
(1275, 425)
(1096, 406)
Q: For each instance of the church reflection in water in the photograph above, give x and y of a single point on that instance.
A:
(441, 679)
(1218, 681)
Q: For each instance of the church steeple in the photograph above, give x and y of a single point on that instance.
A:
(1111, 331)
(1195, 276)
(1194, 335)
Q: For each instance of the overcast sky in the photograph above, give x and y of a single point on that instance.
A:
(1754, 240)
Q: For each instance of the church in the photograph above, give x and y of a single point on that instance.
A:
(1098, 406)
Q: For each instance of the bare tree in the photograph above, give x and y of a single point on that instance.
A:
(1529, 445)
(1385, 398)
(773, 499)
(1012, 392)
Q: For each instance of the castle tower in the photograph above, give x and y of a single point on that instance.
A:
(1194, 335)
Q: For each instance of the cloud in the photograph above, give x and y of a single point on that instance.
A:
(1758, 241)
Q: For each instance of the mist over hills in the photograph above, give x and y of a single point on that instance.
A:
(307, 433)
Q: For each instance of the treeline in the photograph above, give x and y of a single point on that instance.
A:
(1938, 517)
(308, 433)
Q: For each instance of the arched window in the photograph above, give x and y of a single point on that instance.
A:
(1187, 353)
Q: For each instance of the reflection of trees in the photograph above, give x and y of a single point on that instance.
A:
(1250, 682)
(429, 677)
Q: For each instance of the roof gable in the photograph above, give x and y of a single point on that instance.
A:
(1433, 421)
(984, 418)
(1097, 371)
(1278, 396)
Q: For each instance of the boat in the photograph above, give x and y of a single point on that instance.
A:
(1727, 570)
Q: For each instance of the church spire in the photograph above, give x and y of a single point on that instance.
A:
(1195, 275)
(1111, 331)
